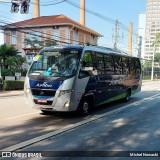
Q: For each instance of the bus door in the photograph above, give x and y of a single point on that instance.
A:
(109, 72)
(103, 89)
(94, 65)
(117, 79)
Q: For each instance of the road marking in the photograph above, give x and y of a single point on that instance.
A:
(20, 116)
(73, 126)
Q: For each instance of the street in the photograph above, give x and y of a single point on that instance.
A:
(118, 126)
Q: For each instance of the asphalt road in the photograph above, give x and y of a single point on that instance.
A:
(132, 126)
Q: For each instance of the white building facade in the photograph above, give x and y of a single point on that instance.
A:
(141, 35)
(152, 27)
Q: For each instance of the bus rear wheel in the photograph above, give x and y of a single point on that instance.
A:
(128, 95)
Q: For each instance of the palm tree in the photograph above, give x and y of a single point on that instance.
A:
(6, 51)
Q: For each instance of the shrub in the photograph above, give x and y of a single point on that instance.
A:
(13, 85)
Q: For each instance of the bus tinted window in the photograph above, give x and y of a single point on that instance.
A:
(118, 65)
(109, 64)
(88, 59)
(100, 63)
(125, 65)
(132, 66)
(137, 66)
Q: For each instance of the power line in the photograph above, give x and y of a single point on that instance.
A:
(19, 27)
(50, 4)
(98, 15)
(89, 11)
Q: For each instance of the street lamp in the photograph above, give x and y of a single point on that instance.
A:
(155, 44)
(152, 72)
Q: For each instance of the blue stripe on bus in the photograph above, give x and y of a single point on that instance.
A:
(43, 97)
(45, 85)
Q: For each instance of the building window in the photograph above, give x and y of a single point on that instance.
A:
(13, 37)
(32, 36)
(75, 37)
(63, 35)
(56, 34)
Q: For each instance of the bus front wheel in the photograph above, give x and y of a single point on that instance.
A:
(84, 107)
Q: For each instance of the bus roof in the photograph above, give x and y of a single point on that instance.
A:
(93, 48)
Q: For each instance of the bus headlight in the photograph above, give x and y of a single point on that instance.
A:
(66, 105)
(27, 90)
(62, 92)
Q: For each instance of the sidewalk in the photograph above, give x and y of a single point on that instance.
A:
(11, 93)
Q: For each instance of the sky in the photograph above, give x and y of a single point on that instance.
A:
(125, 11)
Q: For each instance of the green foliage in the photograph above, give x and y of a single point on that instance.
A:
(35, 44)
(6, 51)
(156, 41)
(157, 57)
(13, 85)
(147, 66)
(11, 62)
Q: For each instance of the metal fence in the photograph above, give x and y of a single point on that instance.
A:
(147, 67)
(146, 75)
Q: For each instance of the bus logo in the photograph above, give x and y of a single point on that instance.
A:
(44, 85)
(41, 93)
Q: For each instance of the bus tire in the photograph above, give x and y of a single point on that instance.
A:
(84, 107)
(128, 95)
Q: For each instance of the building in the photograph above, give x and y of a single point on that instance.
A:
(59, 28)
(152, 26)
(141, 35)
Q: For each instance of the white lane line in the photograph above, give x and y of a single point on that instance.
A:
(20, 116)
(73, 126)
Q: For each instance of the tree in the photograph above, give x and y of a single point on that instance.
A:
(15, 64)
(157, 57)
(36, 45)
(6, 50)
(10, 61)
(156, 41)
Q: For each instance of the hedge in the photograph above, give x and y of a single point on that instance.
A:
(13, 85)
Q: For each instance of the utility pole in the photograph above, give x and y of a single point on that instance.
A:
(82, 12)
(36, 9)
(116, 34)
(130, 39)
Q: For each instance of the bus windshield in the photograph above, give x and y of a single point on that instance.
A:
(56, 63)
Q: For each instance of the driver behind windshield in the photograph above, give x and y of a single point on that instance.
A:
(51, 70)
(65, 68)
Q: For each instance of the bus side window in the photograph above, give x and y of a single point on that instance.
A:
(132, 67)
(109, 64)
(138, 67)
(100, 63)
(118, 65)
(125, 65)
(88, 59)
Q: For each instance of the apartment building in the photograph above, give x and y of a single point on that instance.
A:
(152, 26)
(141, 35)
(59, 27)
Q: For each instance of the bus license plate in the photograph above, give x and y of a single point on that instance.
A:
(41, 101)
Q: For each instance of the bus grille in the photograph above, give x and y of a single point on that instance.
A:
(38, 92)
